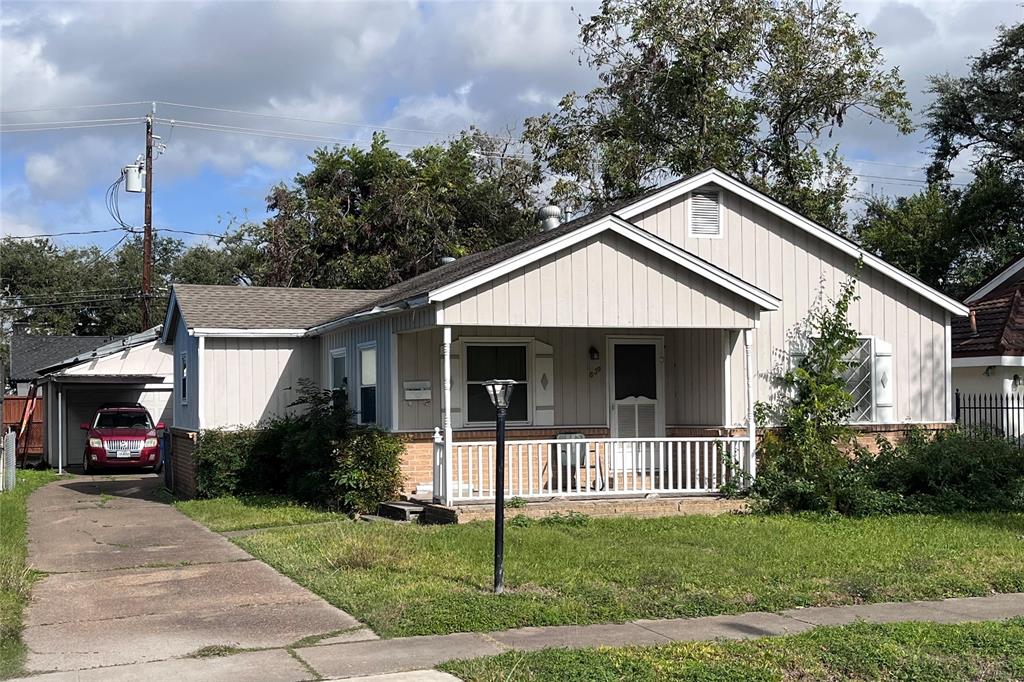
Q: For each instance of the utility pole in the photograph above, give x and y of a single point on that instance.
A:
(147, 237)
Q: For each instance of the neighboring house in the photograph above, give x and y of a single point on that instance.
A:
(988, 351)
(31, 351)
(130, 369)
(641, 337)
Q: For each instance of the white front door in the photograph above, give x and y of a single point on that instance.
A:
(636, 387)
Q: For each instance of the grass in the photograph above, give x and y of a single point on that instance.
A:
(15, 577)
(904, 651)
(252, 511)
(410, 580)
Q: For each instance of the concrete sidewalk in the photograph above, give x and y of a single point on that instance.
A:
(382, 660)
(131, 580)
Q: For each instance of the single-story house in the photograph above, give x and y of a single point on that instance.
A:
(988, 352)
(640, 337)
(130, 369)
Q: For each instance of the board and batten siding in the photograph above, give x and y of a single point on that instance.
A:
(694, 366)
(380, 331)
(186, 416)
(605, 281)
(802, 270)
(247, 380)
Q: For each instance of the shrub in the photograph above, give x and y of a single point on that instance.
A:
(320, 456)
(957, 470)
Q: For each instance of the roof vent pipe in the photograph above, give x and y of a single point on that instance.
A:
(973, 317)
(445, 260)
(549, 217)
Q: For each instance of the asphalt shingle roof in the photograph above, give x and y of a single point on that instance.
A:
(30, 352)
(1000, 325)
(234, 307)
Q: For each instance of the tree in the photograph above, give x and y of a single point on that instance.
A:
(751, 87)
(368, 218)
(949, 236)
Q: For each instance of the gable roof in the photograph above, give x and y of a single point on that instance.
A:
(33, 352)
(1012, 271)
(1000, 326)
(274, 311)
(114, 344)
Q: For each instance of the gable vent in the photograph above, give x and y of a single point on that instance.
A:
(705, 216)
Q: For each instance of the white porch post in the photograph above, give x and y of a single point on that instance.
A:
(748, 361)
(60, 429)
(447, 353)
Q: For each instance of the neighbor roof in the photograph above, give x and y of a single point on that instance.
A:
(32, 352)
(1000, 326)
(206, 306)
(1009, 274)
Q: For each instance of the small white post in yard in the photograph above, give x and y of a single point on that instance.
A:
(447, 353)
(748, 358)
(8, 473)
(60, 431)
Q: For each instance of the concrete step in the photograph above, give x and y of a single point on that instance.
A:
(400, 510)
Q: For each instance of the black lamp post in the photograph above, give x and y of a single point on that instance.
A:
(500, 392)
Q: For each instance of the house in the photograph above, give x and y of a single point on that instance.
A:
(640, 338)
(31, 351)
(988, 352)
(130, 369)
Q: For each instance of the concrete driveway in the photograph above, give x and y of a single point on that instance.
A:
(131, 579)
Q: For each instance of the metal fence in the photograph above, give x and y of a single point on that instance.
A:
(7, 463)
(1003, 413)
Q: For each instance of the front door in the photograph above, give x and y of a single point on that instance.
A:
(637, 387)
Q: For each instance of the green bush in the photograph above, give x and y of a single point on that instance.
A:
(320, 457)
(957, 470)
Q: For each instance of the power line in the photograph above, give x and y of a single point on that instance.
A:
(71, 106)
(84, 292)
(92, 125)
(66, 304)
(308, 120)
(81, 120)
(64, 234)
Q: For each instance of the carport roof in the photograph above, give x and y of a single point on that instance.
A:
(32, 352)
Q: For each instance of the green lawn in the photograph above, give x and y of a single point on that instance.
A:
(15, 578)
(410, 580)
(904, 651)
(252, 511)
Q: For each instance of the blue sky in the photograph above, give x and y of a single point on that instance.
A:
(414, 66)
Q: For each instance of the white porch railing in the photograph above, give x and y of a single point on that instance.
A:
(589, 467)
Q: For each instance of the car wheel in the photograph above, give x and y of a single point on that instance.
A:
(86, 469)
(159, 467)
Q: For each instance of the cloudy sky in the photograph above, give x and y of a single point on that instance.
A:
(421, 69)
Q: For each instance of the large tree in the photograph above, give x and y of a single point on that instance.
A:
(751, 86)
(953, 236)
(370, 217)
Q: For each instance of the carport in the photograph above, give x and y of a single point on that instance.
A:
(136, 369)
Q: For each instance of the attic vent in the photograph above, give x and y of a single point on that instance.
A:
(705, 214)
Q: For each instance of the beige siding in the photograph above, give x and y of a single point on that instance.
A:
(803, 271)
(606, 281)
(694, 373)
(151, 359)
(247, 380)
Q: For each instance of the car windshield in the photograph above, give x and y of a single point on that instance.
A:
(123, 420)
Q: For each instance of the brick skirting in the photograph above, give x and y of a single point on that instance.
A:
(639, 507)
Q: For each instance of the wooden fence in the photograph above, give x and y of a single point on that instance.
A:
(14, 409)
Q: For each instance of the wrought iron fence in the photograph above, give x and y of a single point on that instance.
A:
(1002, 413)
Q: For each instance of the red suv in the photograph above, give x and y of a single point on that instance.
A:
(122, 435)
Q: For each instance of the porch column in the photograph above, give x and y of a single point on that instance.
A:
(60, 429)
(447, 388)
(748, 361)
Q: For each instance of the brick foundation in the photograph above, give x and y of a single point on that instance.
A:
(639, 507)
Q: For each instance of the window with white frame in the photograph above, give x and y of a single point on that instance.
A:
(706, 214)
(183, 391)
(339, 370)
(486, 361)
(368, 384)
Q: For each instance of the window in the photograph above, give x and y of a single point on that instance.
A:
(339, 370)
(184, 379)
(860, 381)
(706, 214)
(498, 361)
(123, 420)
(368, 384)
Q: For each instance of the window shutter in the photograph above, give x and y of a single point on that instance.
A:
(884, 384)
(543, 384)
(458, 384)
(625, 418)
(705, 214)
